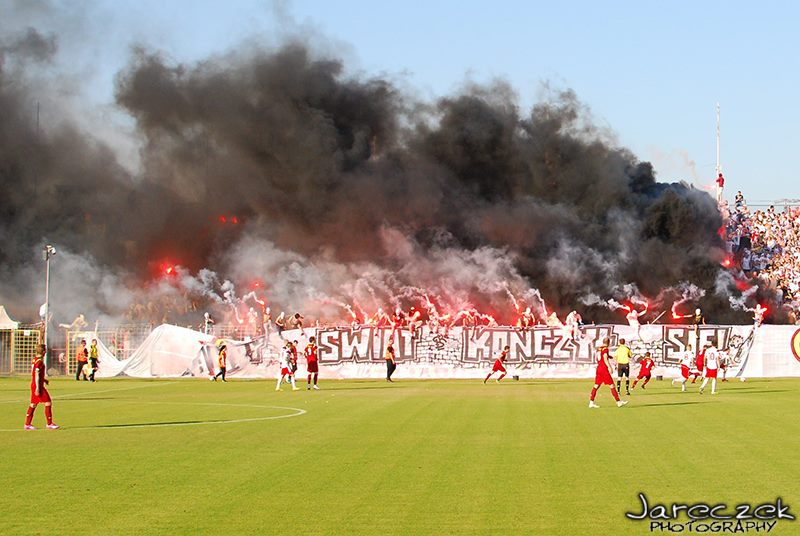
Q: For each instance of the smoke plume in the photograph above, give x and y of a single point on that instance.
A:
(329, 189)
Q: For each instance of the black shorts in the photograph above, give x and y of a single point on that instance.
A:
(624, 370)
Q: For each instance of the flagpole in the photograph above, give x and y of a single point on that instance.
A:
(719, 169)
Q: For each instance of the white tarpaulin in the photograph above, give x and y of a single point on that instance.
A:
(5, 321)
(542, 352)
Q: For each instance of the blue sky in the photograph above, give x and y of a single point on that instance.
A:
(650, 71)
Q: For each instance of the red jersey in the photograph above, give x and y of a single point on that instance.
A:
(647, 365)
(602, 359)
(700, 361)
(37, 371)
(498, 363)
(720, 181)
(311, 352)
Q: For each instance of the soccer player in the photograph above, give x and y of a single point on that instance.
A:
(645, 370)
(293, 362)
(311, 361)
(94, 359)
(687, 358)
(391, 364)
(498, 365)
(286, 371)
(712, 364)
(622, 356)
(603, 375)
(222, 361)
(700, 362)
(82, 357)
(724, 361)
(39, 394)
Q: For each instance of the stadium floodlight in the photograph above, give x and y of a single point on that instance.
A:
(48, 252)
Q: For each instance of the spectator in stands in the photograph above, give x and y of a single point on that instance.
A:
(767, 248)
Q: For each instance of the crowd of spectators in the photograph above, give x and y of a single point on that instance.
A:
(765, 245)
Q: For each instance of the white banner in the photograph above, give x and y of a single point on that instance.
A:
(541, 352)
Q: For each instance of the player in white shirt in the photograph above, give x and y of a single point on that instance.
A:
(286, 369)
(687, 362)
(711, 367)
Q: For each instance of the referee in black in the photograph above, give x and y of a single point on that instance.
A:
(623, 358)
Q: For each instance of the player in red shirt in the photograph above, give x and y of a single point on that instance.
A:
(645, 370)
(39, 393)
(498, 365)
(700, 361)
(311, 361)
(602, 375)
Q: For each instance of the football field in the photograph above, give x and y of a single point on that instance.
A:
(366, 457)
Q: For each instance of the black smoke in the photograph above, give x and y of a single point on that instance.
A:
(327, 167)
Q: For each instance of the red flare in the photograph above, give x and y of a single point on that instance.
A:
(223, 219)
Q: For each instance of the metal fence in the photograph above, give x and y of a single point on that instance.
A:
(17, 348)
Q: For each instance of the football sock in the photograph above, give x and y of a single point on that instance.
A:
(316, 375)
(503, 375)
(594, 392)
(487, 377)
(614, 393)
(29, 415)
(48, 413)
(634, 383)
(713, 385)
(293, 385)
(703, 385)
(278, 386)
(628, 384)
(619, 383)
(645, 381)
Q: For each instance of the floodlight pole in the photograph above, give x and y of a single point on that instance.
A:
(49, 251)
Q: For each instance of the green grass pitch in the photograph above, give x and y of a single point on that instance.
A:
(366, 457)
